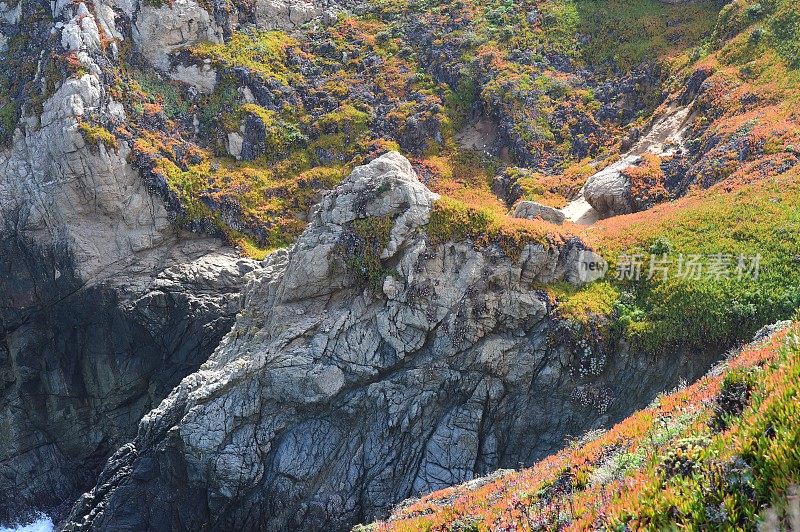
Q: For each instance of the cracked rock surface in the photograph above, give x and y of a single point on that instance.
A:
(104, 305)
(333, 398)
(158, 31)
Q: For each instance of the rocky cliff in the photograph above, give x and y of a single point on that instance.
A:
(105, 304)
(341, 390)
(696, 457)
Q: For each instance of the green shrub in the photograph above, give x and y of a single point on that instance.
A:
(8, 121)
(96, 135)
(370, 237)
(221, 107)
(281, 135)
(163, 92)
(785, 27)
(661, 246)
(733, 397)
(754, 11)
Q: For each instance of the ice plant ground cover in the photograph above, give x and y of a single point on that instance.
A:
(709, 308)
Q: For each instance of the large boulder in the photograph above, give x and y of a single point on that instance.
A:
(531, 210)
(608, 191)
(368, 364)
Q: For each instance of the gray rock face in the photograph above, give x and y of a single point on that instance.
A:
(335, 396)
(536, 211)
(286, 14)
(162, 30)
(104, 306)
(159, 32)
(253, 143)
(203, 78)
(57, 189)
(81, 364)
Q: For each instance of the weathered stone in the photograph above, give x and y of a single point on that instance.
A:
(203, 78)
(536, 211)
(608, 191)
(285, 14)
(104, 306)
(506, 184)
(159, 31)
(235, 144)
(334, 397)
(253, 144)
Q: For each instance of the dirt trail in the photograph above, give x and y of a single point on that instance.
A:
(665, 138)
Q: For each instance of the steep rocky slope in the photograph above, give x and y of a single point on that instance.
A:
(719, 454)
(82, 362)
(240, 128)
(342, 389)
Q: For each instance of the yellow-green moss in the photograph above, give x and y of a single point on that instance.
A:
(581, 304)
(96, 135)
(454, 221)
(346, 119)
(188, 185)
(261, 52)
(248, 247)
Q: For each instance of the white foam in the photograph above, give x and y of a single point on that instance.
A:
(41, 524)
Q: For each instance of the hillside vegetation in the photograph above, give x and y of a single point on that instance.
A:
(562, 84)
(558, 80)
(395, 336)
(739, 199)
(721, 454)
(560, 89)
